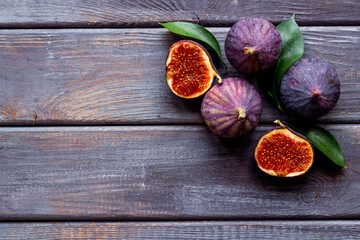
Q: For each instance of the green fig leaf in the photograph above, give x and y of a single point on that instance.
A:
(197, 33)
(292, 50)
(322, 140)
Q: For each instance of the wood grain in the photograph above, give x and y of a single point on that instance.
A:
(117, 76)
(281, 230)
(164, 173)
(137, 13)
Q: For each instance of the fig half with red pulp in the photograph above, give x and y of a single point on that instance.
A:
(189, 69)
(284, 153)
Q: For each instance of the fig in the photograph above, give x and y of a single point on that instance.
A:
(253, 45)
(189, 69)
(231, 109)
(310, 88)
(284, 153)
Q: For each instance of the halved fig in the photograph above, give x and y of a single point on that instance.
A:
(284, 153)
(189, 69)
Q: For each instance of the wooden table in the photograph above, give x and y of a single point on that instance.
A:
(94, 145)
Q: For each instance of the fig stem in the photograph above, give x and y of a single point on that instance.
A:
(219, 78)
(242, 115)
(248, 50)
(280, 123)
(315, 95)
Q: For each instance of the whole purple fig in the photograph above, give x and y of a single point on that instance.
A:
(310, 88)
(253, 45)
(232, 108)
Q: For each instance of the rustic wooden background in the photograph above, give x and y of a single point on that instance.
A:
(94, 145)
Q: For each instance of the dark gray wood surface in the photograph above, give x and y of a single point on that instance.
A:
(164, 173)
(160, 162)
(137, 13)
(117, 76)
(280, 230)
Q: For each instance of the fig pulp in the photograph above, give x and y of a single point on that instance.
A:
(253, 45)
(284, 153)
(231, 109)
(310, 88)
(189, 69)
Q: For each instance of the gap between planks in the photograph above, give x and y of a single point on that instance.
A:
(185, 230)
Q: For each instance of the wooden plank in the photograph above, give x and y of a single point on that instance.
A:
(164, 172)
(184, 230)
(137, 13)
(117, 76)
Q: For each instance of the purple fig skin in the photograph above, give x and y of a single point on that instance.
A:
(232, 109)
(253, 45)
(310, 88)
